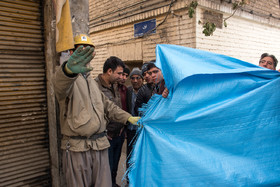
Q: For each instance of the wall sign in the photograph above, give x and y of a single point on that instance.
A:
(144, 27)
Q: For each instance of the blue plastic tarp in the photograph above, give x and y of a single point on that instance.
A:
(219, 126)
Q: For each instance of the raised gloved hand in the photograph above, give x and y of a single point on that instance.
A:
(78, 61)
(134, 120)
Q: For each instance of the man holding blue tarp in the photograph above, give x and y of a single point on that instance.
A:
(268, 61)
(224, 130)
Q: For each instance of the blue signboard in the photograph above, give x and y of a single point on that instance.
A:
(144, 27)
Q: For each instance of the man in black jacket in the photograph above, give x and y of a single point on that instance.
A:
(146, 91)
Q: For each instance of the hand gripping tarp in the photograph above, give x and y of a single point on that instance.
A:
(219, 126)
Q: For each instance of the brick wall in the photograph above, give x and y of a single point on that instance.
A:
(247, 36)
(108, 11)
(264, 7)
(242, 38)
(124, 8)
(113, 41)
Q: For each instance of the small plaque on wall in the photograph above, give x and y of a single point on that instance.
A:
(145, 27)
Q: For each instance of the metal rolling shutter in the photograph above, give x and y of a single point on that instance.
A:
(24, 146)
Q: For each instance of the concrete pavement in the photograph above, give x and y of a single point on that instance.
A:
(122, 166)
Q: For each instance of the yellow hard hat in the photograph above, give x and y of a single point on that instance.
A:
(83, 39)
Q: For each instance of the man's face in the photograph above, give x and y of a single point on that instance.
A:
(267, 62)
(123, 78)
(147, 77)
(115, 76)
(156, 75)
(136, 81)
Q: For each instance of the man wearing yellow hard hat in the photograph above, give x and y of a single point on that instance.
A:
(84, 114)
(83, 39)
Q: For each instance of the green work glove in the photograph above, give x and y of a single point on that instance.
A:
(134, 120)
(78, 61)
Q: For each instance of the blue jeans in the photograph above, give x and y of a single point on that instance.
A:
(114, 155)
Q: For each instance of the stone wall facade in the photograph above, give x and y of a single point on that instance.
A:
(252, 30)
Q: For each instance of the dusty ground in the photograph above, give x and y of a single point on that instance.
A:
(122, 166)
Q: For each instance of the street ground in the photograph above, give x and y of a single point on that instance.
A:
(122, 166)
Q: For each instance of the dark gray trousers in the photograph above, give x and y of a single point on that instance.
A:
(86, 169)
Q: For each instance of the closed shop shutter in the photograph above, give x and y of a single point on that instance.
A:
(24, 145)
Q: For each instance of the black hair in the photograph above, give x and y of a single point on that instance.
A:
(112, 63)
(144, 67)
(151, 65)
(126, 69)
(275, 61)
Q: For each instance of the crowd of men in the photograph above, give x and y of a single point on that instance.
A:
(96, 115)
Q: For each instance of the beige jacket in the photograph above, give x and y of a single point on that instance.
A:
(84, 111)
(111, 92)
